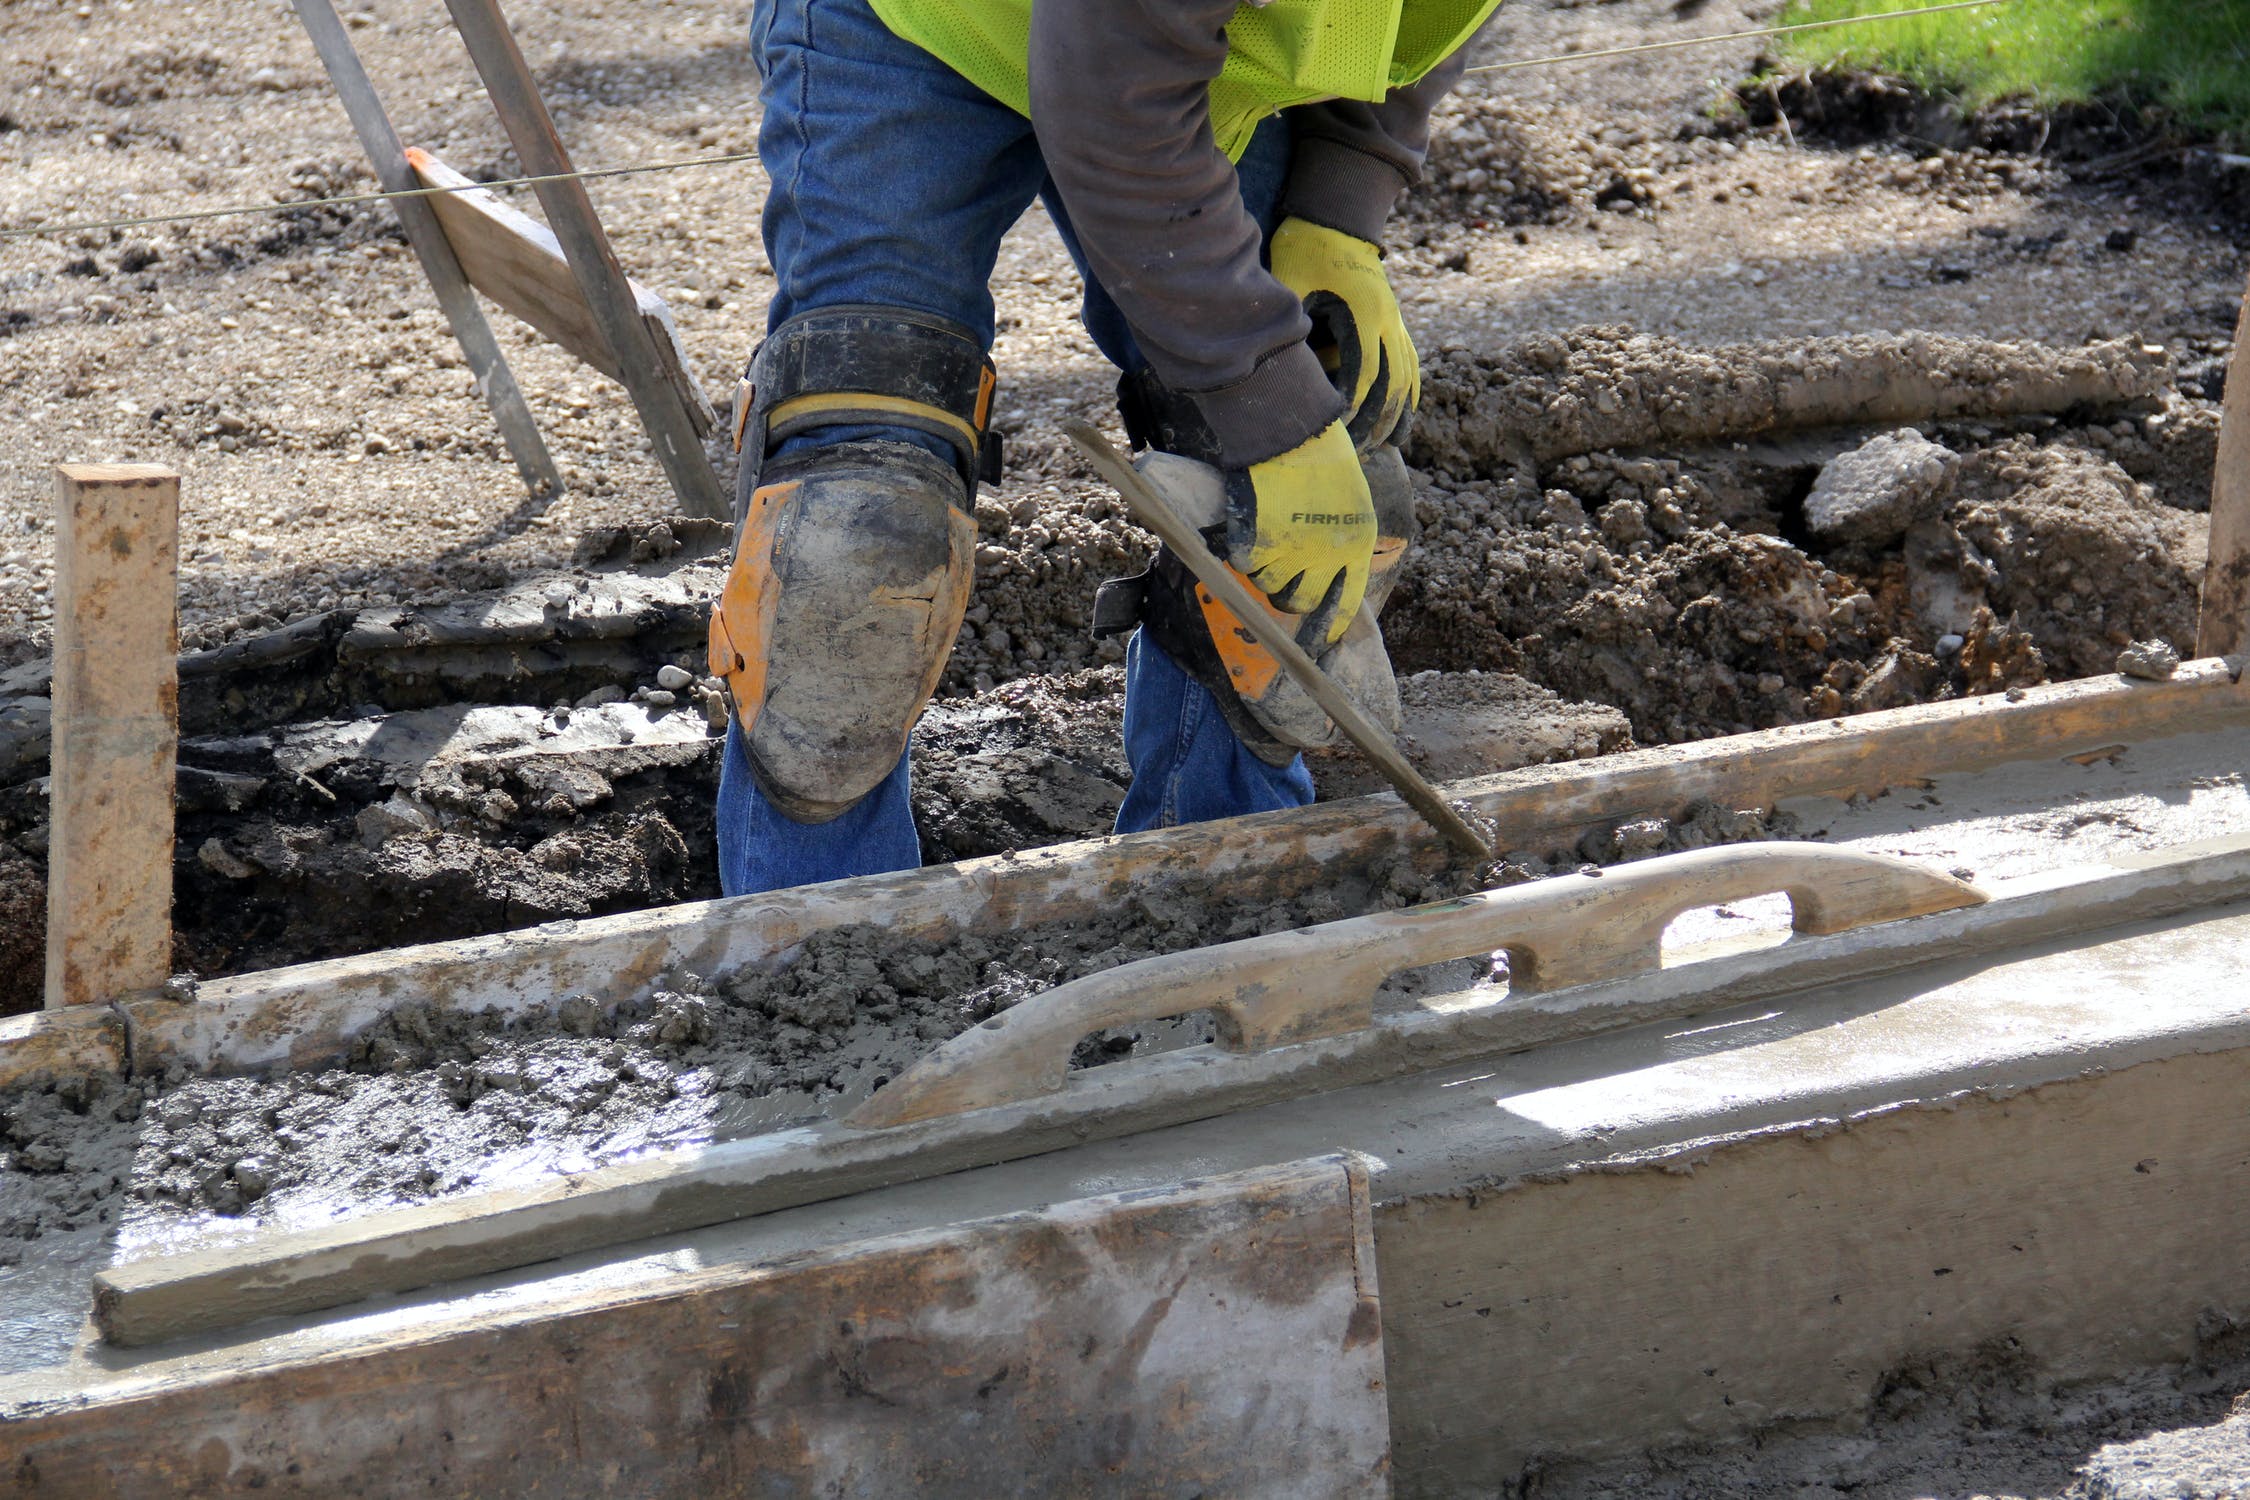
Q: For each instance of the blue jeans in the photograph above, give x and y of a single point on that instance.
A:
(893, 179)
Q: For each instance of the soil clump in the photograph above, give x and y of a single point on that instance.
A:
(1692, 585)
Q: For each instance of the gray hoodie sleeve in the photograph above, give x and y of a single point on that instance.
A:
(1120, 99)
(1352, 160)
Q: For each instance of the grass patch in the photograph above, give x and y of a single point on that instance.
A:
(2188, 59)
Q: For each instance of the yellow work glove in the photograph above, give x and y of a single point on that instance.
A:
(1358, 331)
(1301, 526)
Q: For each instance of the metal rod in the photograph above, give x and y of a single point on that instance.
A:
(570, 214)
(1153, 512)
(388, 155)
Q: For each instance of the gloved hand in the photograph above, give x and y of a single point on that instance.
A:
(1301, 526)
(1357, 328)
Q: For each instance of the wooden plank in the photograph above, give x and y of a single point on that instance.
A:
(443, 271)
(394, 1250)
(116, 732)
(308, 1014)
(1204, 1338)
(2223, 628)
(609, 296)
(514, 259)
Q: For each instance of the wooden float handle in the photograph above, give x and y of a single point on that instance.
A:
(1286, 987)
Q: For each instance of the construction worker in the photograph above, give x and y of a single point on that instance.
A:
(1221, 176)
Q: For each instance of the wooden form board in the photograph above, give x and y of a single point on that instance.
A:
(116, 732)
(515, 260)
(197, 1290)
(309, 1013)
(1222, 1337)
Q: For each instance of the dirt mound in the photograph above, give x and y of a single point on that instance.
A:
(2081, 555)
(1679, 579)
(1032, 762)
(1596, 388)
(2016, 143)
(1855, 106)
(1647, 601)
(1040, 557)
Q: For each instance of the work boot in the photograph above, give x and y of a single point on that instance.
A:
(850, 577)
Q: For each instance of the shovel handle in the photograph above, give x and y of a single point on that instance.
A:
(1287, 987)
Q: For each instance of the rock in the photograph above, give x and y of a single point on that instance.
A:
(1874, 493)
(608, 692)
(579, 1015)
(679, 1021)
(671, 678)
(1946, 577)
(655, 543)
(2154, 660)
(400, 816)
(250, 1178)
(2081, 554)
(1902, 676)
(219, 860)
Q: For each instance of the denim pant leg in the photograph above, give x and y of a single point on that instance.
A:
(1187, 764)
(893, 179)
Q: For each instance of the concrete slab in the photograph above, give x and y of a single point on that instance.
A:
(296, 1269)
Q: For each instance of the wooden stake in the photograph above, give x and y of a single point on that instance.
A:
(2223, 627)
(517, 262)
(116, 732)
(570, 213)
(418, 218)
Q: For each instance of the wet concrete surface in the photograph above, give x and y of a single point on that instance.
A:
(432, 1104)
